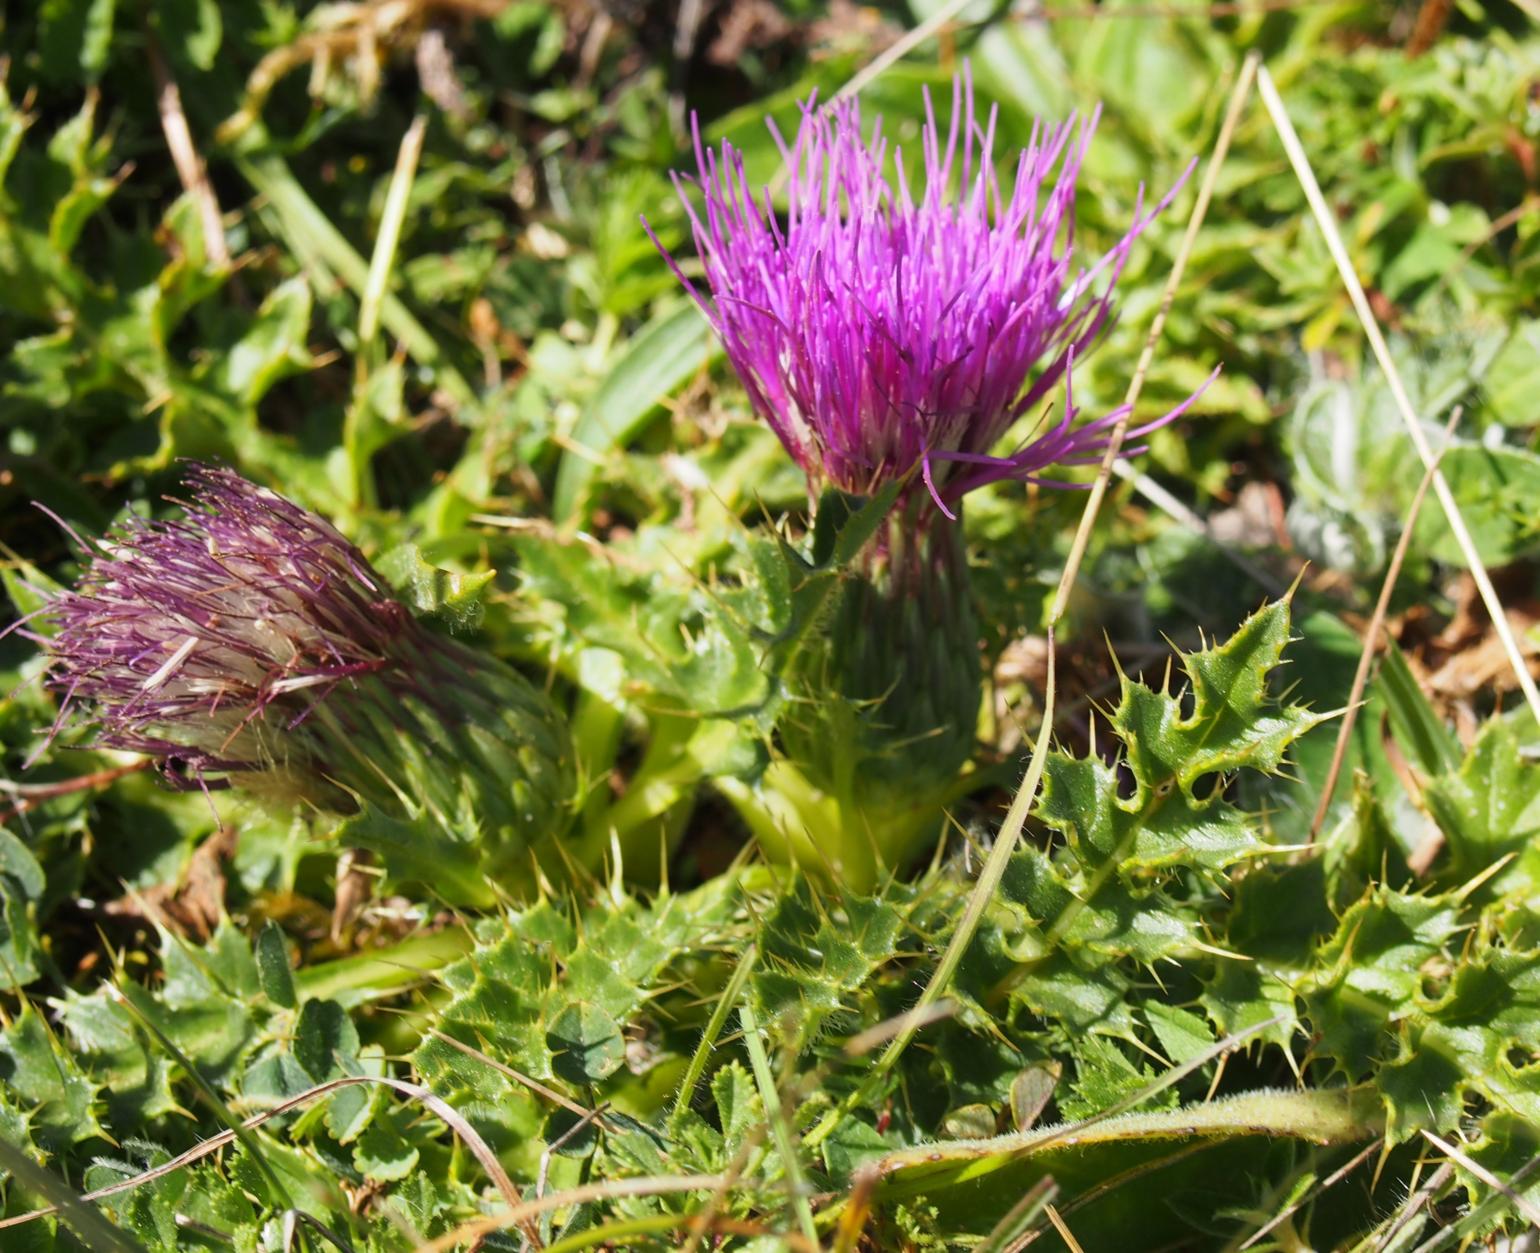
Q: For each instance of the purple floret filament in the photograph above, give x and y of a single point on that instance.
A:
(879, 335)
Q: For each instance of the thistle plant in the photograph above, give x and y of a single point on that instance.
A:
(250, 645)
(892, 337)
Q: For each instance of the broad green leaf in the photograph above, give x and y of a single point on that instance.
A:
(273, 346)
(383, 1155)
(75, 37)
(272, 955)
(586, 1044)
(672, 347)
(1183, 1035)
(325, 1040)
(1512, 381)
(21, 885)
(1496, 489)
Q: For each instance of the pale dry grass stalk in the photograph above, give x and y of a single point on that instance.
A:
(190, 168)
(1064, 1232)
(1355, 290)
(646, 1185)
(1336, 1177)
(1521, 1204)
(1372, 637)
(391, 220)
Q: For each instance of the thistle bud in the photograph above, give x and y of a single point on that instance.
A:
(888, 723)
(250, 645)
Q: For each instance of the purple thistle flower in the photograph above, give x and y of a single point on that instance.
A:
(250, 643)
(880, 334)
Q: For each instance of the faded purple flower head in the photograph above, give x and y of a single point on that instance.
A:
(880, 330)
(203, 640)
(250, 643)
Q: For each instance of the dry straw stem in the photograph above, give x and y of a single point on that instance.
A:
(520, 1215)
(1016, 817)
(1336, 1177)
(898, 49)
(190, 168)
(1108, 1185)
(1372, 635)
(407, 157)
(1005, 1238)
(1167, 12)
(1468, 1164)
(1414, 1206)
(1355, 290)
(1064, 1232)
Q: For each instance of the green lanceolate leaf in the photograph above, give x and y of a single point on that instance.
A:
(272, 954)
(668, 351)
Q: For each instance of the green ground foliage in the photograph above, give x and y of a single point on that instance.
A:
(1178, 1020)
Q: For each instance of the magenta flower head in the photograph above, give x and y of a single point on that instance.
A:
(892, 334)
(885, 331)
(250, 644)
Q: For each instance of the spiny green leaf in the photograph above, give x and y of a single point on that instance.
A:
(816, 950)
(1104, 1076)
(135, 1076)
(44, 1076)
(1177, 815)
(1370, 972)
(1490, 808)
(455, 599)
(1477, 1038)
